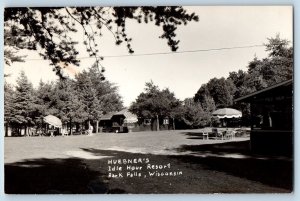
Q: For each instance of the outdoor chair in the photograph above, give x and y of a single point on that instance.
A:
(217, 134)
(230, 134)
(205, 134)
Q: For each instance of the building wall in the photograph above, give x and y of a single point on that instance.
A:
(110, 126)
(272, 123)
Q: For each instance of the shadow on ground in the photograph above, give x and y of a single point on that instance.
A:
(235, 158)
(194, 135)
(208, 174)
(221, 147)
(52, 176)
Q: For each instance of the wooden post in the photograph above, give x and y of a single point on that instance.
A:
(157, 123)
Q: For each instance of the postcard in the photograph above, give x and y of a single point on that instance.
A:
(148, 100)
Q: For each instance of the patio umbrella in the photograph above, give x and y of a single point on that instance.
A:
(53, 120)
(227, 113)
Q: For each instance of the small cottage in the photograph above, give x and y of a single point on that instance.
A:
(125, 121)
(122, 121)
(272, 119)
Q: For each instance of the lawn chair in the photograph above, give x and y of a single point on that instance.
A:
(230, 134)
(204, 134)
(217, 134)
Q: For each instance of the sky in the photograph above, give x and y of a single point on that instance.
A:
(182, 73)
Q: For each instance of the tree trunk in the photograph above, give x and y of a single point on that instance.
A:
(71, 130)
(6, 130)
(97, 126)
(77, 127)
(173, 123)
(157, 123)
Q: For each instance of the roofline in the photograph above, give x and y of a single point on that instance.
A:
(264, 90)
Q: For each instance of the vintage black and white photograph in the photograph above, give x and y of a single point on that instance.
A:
(148, 100)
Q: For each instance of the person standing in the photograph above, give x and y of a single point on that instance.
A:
(91, 130)
(64, 132)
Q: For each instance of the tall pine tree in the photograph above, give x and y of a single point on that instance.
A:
(23, 103)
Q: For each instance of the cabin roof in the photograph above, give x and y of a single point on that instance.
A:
(260, 92)
(125, 112)
(107, 116)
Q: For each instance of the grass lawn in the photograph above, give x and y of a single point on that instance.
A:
(79, 164)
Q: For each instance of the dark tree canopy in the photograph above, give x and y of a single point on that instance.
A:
(49, 29)
(220, 90)
(194, 115)
(278, 47)
(155, 102)
(22, 105)
(261, 73)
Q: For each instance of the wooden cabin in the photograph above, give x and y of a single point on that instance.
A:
(125, 121)
(122, 121)
(272, 119)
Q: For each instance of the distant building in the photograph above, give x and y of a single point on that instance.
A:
(122, 121)
(272, 119)
(125, 121)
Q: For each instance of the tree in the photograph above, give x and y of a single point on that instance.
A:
(88, 96)
(155, 103)
(8, 105)
(194, 115)
(276, 68)
(98, 95)
(278, 47)
(69, 107)
(50, 29)
(106, 92)
(44, 102)
(208, 104)
(22, 112)
(220, 90)
(202, 93)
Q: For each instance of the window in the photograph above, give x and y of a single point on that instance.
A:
(272, 116)
(166, 121)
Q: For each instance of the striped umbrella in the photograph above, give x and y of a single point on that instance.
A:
(53, 120)
(227, 113)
